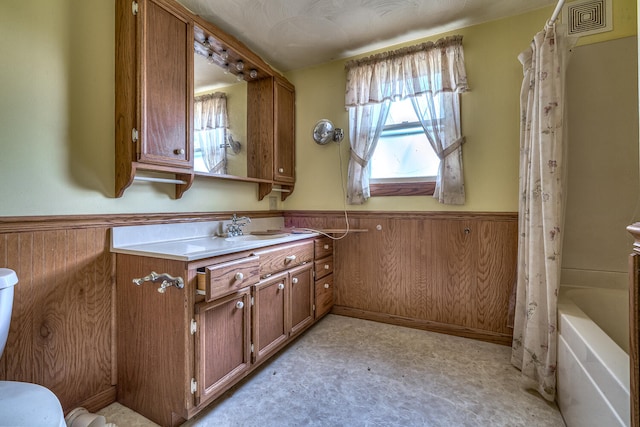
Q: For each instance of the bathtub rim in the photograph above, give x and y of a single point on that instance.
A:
(608, 353)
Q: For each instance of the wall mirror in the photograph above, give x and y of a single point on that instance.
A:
(220, 119)
(222, 67)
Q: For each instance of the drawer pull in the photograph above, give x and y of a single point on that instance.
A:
(239, 304)
(294, 280)
(326, 286)
(326, 246)
(239, 276)
(281, 286)
(326, 266)
(289, 258)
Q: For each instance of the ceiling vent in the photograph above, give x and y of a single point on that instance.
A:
(588, 17)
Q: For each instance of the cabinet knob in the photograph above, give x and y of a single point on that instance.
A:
(239, 276)
(239, 304)
(326, 266)
(289, 258)
(294, 280)
(281, 170)
(326, 286)
(326, 246)
(281, 286)
(178, 151)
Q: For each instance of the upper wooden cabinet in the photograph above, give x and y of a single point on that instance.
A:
(154, 91)
(271, 134)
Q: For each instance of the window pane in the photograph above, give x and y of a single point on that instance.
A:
(405, 156)
(401, 112)
(403, 150)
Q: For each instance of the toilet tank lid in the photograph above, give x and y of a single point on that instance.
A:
(8, 278)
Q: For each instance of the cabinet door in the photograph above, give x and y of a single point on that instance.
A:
(284, 141)
(270, 315)
(301, 296)
(165, 79)
(222, 343)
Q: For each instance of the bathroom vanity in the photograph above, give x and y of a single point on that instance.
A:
(192, 324)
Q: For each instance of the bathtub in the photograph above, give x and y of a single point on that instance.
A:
(593, 364)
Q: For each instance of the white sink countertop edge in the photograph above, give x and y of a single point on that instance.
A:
(193, 241)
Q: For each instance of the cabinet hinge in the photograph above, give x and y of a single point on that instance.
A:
(252, 301)
(251, 348)
(134, 7)
(194, 386)
(194, 327)
(314, 307)
(134, 135)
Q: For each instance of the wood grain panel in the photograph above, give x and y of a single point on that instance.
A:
(634, 325)
(160, 322)
(63, 321)
(61, 331)
(452, 271)
(634, 337)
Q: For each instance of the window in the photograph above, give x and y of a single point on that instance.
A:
(431, 76)
(403, 162)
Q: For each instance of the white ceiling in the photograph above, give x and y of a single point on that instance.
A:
(293, 34)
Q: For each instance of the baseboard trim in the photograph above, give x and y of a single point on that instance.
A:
(425, 325)
(97, 401)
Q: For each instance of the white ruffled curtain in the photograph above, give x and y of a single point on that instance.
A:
(210, 130)
(541, 210)
(433, 72)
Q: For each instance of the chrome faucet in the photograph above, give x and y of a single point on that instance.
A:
(235, 228)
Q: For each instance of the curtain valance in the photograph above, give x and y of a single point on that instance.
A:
(431, 67)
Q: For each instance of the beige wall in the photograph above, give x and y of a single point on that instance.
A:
(490, 118)
(603, 190)
(57, 132)
(57, 119)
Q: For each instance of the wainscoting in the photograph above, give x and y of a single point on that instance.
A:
(446, 272)
(63, 327)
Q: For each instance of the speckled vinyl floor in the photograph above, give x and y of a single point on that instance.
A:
(352, 372)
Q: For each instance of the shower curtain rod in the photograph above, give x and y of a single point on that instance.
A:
(556, 11)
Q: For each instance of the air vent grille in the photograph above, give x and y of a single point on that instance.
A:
(588, 17)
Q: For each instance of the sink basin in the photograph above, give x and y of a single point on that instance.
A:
(254, 237)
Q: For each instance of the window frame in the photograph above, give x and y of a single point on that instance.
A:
(402, 186)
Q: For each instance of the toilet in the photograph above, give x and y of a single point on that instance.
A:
(22, 404)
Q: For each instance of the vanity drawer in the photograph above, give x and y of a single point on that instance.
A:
(323, 247)
(324, 295)
(283, 257)
(231, 276)
(323, 267)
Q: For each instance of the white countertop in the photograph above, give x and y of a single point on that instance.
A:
(194, 241)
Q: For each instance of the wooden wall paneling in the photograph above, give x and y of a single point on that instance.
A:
(61, 330)
(20, 339)
(497, 261)
(453, 258)
(417, 253)
(449, 272)
(346, 271)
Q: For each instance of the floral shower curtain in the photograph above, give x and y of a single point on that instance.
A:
(541, 210)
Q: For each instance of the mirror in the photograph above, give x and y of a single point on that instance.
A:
(219, 143)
